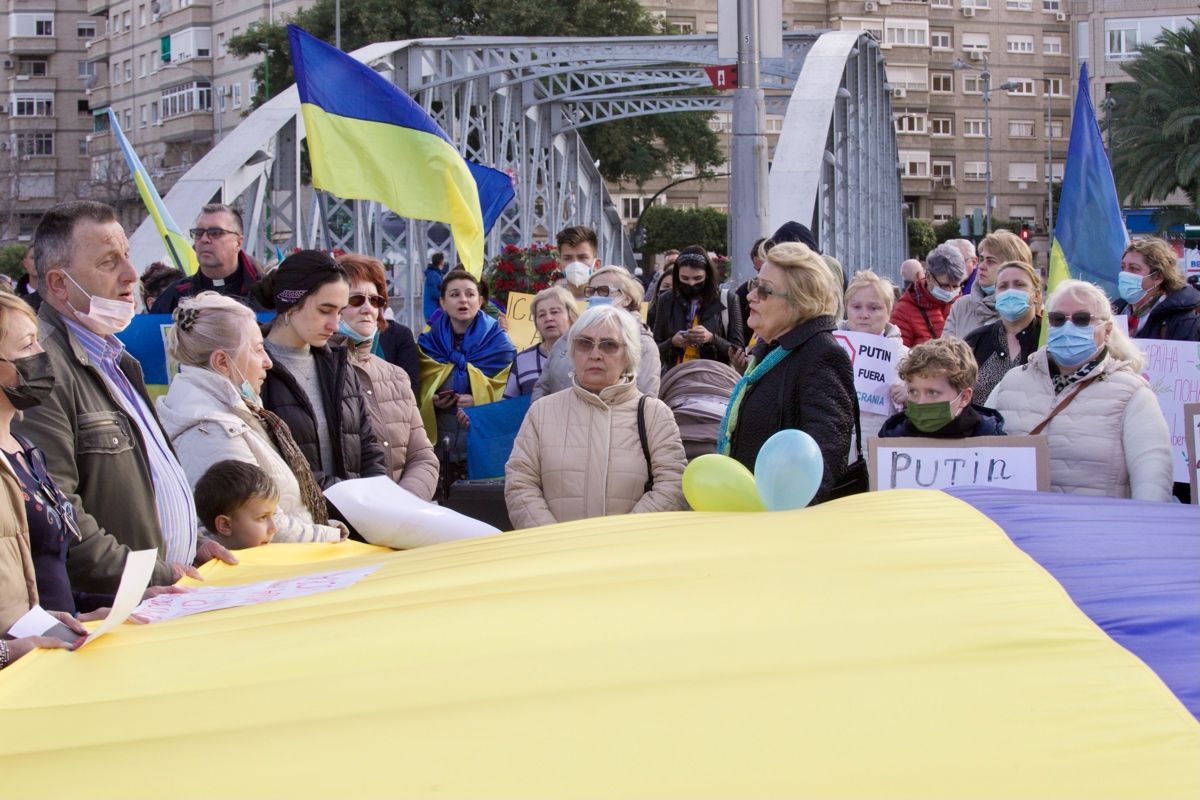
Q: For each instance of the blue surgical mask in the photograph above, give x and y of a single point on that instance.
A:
(597, 300)
(944, 295)
(1129, 286)
(988, 291)
(1071, 344)
(351, 334)
(244, 388)
(1012, 304)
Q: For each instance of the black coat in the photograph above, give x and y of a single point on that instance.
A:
(400, 348)
(236, 286)
(811, 389)
(1176, 317)
(671, 316)
(984, 341)
(357, 452)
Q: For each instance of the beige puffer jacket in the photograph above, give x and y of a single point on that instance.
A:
(396, 418)
(578, 455)
(18, 587)
(1111, 441)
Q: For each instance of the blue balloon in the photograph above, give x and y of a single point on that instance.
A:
(788, 470)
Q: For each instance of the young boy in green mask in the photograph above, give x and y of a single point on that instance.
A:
(940, 375)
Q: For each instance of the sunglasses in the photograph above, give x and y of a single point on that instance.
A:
(603, 291)
(376, 300)
(764, 289)
(609, 347)
(1081, 318)
(211, 233)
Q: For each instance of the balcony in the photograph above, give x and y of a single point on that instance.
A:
(98, 48)
(198, 13)
(32, 45)
(26, 83)
(32, 124)
(98, 8)
(194, 126)
(99, 96)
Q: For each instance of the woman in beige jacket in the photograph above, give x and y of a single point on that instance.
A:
(579, 453)
(1085, 392)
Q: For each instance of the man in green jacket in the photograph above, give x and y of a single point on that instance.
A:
(98, 429)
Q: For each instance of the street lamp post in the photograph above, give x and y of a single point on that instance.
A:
(986, 75)
(1049, 165)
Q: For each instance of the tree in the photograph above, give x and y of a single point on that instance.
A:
(921, 238)
(628, 150)
(1155, 128)
(11, 256)
(668, 227)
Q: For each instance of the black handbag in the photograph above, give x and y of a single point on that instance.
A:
(855, 479)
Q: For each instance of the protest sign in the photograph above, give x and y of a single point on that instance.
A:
(1010, 462)
(521, 328)
(1173, 370)
(1191, 413)
(874, 361)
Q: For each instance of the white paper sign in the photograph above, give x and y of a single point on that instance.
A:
(38, 622)
(1173, 370)
(1009, 462)
(139, 566)
(388, 516)
(212, 598)
(874, 361)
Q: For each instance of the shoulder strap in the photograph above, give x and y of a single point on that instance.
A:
(928, 324)
(1041, 426)
(641, 415)
(725, 312)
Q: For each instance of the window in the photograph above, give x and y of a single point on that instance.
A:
(1121, 43)
(30, 24)
(44, 27)
(943, 169)
(143, 117)
(128, 119)
(129, 69)
(100, 120)
(975, 170)
(907, 77)
(941, 3)
(154, 116)
(976, 4)
(1022, 173)
(221, 98)
(237, 95)
(1055, 85)
(910, 123)
(116, 74)
(82, 107)
(35, 144)
(682, 27)
(943, 212)
(142, 17)
(1056, 172)
(942, 82)
(1024, 86)
(941, 40)
(1056, 129)
(972, 84)
(87, 69)
(1020, 128)
(186, 98)
(1052, 45)
(191, 43)
(1020, 44)
(1022, 213)
(906, 32)
(941, 126)
(976, 41)
(914, 163)
(32, 67)
(83, 146)
(33, 105)
(973, 128)
(1019, 5)
(1052, 6)
(126, 21)
(221, 44)
(85, 29)
(142, 65)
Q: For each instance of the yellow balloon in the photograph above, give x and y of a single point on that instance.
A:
(719, 483)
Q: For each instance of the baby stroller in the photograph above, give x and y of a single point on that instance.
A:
(697, 393)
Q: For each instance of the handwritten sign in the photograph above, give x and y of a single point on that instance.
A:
(1173, 370)
(1010, 462)
(1191, 412)
(874, 361)
(521, 328)
(211, 598)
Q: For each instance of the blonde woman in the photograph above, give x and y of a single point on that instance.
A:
(554, 311)
(1085, 392)
(869, 302)
(978, 308)
(1010, 340)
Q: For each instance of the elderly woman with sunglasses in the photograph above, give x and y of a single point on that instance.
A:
(1084, 391)
(602, 447)
(391, 403)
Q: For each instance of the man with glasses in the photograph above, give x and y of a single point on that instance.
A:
(224, 267)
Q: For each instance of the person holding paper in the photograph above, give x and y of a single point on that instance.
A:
(213, 413)
(601, 447)
(869, 302)
(1084, 391)
(921, 311)
(554, 311)
(1009, 341)
(978, 308)
(939, 378)
(1155, 294)
(390, 401)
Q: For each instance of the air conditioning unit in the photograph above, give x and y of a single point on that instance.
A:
(8, 63)
(968, 11)
(947, 183)
(1061, 16)
(899, 93)
(870, 6)
(975, 55)
(3, 145)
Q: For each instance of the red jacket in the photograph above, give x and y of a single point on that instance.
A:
(919, 315)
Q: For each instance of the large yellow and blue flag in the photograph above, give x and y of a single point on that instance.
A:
(368, 140)
(1089, 235)
(179, 248)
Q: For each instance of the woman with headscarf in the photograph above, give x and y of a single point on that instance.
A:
(921, 311)
(311, 385)
(697, 320)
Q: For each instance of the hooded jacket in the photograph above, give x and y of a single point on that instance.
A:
(971, 311)
(974, 420)
(919, 315)
(1176, 317)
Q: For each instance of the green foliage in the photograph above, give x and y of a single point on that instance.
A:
(921, 238)
(675, 228)
(1155, 127)
(628, 150)
(11, 256)
(947, 230)
(942, 232)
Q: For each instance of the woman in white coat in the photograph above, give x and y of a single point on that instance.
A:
(1085, 392)
(212, 412)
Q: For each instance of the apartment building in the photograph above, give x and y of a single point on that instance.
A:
(44, 115)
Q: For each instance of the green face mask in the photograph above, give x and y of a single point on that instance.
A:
(930, 417)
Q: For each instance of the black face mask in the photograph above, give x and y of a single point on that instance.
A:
(689, 291)
(36, 381)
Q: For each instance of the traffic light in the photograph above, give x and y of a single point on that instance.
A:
(1024, 231)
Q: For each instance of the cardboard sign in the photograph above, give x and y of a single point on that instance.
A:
(874, 361)
(1010, 462)
(521, 328)
(1173, 370)
(1191, 413)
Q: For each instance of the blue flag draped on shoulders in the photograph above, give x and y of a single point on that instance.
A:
(1089, 235)
(478, 366)
(368, 140)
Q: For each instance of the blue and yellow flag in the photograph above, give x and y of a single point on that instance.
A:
(368, 140)
(179, 248)
(1089, 235)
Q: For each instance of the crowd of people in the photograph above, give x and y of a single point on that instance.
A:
(292, 380)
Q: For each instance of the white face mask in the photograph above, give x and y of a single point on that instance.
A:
(105, 317)
(577, 273)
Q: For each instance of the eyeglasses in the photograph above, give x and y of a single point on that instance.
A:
(609, 347)
(764, 289)
(1081, 318)
(211, 233)
(949, 288)
(603, 291)
(376, 300)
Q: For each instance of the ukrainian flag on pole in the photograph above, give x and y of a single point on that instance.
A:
(368, 140)
(1089, 235)
(179, 248)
